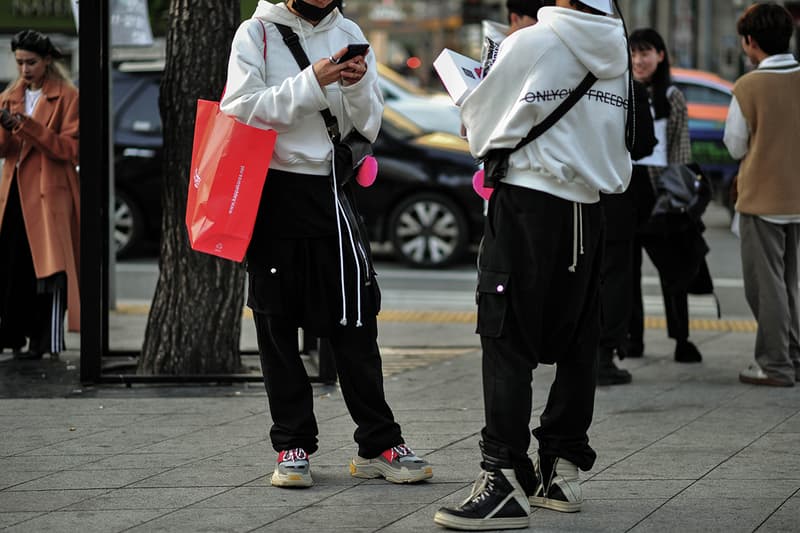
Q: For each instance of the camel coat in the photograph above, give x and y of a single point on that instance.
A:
(44, 148)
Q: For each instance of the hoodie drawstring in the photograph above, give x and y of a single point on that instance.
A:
(577, 234)
(341, 214)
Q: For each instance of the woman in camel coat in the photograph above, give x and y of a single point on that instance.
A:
(39, 202)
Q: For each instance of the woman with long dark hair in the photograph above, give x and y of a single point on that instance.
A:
(39, 202)
(676, 250)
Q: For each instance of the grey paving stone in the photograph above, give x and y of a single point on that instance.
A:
(85, 521)
(88, 479)
(633, 489)
(15, 478)
(724, 515)
(9, 519)
(345, 518)
(150, 498)
(265, 495)
(786, 518)
(190, 476)
(43, 500)
(44, 463)
(214, 520)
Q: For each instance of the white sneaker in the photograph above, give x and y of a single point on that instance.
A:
(398, 465)
(292, 469)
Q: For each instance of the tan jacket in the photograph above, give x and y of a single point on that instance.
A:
(44, 148)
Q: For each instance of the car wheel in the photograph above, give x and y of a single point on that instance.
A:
(428, 230)
(128, 224)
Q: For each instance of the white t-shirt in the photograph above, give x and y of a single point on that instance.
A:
(31, 98)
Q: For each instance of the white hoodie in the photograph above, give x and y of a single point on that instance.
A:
(275, 94)
(536, 67)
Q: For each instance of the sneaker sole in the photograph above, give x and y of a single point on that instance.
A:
(291, 480)
(554, 505)
(770, 382)
(485, 524)
(372, 471)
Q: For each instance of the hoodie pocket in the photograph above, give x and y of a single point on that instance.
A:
(492, 302)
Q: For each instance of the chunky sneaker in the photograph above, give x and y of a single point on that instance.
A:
(398, 465)
(497, 501)
(559, 489)
(292, 469)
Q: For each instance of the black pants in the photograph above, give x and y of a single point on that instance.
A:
(31, 309)
(616, 295)
(289, 391)
(534, 308)
(677, 257)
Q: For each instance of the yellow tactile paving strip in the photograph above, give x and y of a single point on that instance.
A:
(469, 317)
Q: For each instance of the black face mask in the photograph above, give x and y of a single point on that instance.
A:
(312, 12)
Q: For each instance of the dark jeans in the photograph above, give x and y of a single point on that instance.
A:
(537, 304)
(289, 391)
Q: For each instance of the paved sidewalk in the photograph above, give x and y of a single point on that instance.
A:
(683, 448)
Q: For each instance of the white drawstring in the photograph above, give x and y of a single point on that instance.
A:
(577, 234)
(358, 267)
(336, 207)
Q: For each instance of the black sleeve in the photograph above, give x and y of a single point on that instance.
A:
(645, 139)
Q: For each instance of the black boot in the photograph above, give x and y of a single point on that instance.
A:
(607, 372)
(687, 352)
(497, 501)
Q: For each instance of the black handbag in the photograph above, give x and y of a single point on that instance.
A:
(495, 162)
(681, 189)
(348, 152)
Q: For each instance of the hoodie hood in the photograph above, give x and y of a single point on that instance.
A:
(598, 42)
(279, 13)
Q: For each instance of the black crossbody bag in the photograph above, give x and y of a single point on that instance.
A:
(495, 163)
(348, 153)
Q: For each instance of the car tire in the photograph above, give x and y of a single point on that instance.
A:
(128, 224)
(428, 230)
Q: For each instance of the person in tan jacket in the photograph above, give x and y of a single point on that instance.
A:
(761, 131)
(39, 202)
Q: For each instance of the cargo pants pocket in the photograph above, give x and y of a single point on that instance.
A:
(492, 302)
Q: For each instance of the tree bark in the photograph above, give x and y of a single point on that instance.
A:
(194, 324)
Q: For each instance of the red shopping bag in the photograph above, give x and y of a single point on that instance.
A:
(229, 167)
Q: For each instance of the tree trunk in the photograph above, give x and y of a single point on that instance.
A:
(195, 320)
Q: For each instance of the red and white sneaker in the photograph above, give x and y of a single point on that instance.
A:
(292, 469)
(398, 465)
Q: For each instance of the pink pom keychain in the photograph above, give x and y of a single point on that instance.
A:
(368, 171)
(477, 185)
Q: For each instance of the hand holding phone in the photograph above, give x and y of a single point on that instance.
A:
(353, 50)
(7, 120)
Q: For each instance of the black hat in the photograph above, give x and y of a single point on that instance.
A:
(524, 7)
(34, 41)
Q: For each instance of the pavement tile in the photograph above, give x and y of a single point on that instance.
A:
(149, 498)
(633, 489)
(723, 515)
(43, 500)
(663, 463)
(211, 476)
(345, 517)
(15, 478)
(378, 492)
(89, 479)
(85, 521)
(140, 460)
(214, 520)
(44, 463)
(265, 495)
(786, 518)
(9, 519)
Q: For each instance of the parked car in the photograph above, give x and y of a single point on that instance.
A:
(708, 97)
(422, 201)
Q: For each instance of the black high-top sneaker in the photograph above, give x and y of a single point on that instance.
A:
(558, 487)
(497, 501)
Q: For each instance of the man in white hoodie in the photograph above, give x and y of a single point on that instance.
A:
(308, 262)
(539, 268)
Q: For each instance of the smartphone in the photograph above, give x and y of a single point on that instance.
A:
(353, 50)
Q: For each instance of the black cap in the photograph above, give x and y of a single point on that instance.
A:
(525, 7)
(36, 42)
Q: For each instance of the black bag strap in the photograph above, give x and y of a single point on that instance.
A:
(293, 43)
(558, 112)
